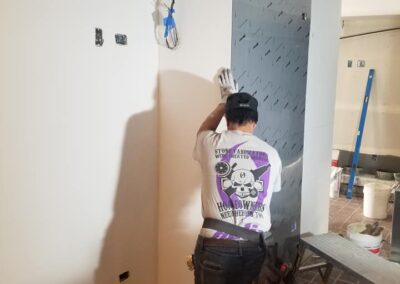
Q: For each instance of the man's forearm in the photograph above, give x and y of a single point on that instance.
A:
(228, 86)
(213, 119)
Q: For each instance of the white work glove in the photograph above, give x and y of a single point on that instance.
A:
(227, 84)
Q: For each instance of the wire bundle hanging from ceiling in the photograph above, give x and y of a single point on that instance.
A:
(171, 33)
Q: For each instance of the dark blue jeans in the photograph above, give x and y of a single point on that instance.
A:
(227, 262)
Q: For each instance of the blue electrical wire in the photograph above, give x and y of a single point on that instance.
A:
(170, 33)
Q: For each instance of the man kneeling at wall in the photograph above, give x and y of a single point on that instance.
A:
(239, 174)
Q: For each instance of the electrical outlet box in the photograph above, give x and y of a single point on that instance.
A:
(99, 37)
(349, 63)
(121, 39)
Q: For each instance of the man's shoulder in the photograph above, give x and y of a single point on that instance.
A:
(267, 148)
(208, 137)
(263, 144)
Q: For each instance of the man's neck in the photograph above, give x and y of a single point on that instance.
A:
(248, 127)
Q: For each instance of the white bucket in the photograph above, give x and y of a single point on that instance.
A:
(371, 243)
(376, 199)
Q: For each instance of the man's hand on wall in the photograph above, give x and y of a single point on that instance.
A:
(227, 84)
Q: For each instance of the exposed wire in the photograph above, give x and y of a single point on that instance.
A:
(171, 33)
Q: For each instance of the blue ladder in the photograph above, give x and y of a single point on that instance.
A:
(360, 134)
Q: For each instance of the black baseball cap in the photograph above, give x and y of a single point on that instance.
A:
(241, 101)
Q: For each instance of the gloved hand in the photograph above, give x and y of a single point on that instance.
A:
(227, 84)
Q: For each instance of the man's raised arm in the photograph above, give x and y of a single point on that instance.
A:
(228, 86)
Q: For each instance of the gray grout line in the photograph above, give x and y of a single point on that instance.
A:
(345, 281)
(337, 277)
(348, 218)
(345, 205)
(315, 276)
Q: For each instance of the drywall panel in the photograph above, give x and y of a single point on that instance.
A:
(269, 57)
(78, 171)
(320, 105)
(379, 51)
(352, 26)
(188, 93)
(370, 7)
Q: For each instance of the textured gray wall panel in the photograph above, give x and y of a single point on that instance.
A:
(269, 60)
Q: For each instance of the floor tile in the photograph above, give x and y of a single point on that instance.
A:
(343, 212)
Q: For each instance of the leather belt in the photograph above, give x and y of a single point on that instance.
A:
(227, 243)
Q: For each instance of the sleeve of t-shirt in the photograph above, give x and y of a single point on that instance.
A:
(277, 185)
(204, 138)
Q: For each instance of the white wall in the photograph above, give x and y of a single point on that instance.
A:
(187, 95)
(381, 52)
(352, 26)
(78, 142)
(78, 132)
(320, 102)
(370, 7)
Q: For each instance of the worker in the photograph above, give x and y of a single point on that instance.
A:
(239, 172)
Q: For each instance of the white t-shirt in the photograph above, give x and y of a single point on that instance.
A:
(239, 174)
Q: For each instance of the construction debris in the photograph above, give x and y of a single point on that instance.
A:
(372, 229)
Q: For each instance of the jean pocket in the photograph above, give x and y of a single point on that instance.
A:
(212, 266)
(212, 272)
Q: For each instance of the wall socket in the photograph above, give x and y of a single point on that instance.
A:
(349, 63)
(121, 39)
(361, 63)
(124, 276)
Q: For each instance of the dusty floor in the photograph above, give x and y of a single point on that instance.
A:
(343, 212)
(337, 277)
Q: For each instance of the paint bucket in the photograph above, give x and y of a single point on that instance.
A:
(376, 199)
(371, 243)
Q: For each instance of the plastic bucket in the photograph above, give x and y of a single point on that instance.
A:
(376, 199)
(371, 243)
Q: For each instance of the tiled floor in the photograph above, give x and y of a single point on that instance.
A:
(343, 212)
(337, 277)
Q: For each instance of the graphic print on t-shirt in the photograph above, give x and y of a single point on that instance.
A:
(242, 178)
(241, 182)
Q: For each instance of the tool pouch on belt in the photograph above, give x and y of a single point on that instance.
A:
(270, 272)
(273, 270)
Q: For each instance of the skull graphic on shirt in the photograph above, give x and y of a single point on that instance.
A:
(242, 182)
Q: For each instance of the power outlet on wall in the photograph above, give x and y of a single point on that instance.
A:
(124, 276)
(349, 63)
(361, 63)
(121, 39)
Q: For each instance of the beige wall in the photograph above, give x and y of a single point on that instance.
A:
(370, 7)
(381, 52)
(187, 95)
(78, 172)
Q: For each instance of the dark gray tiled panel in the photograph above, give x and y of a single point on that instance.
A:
(269, 60)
